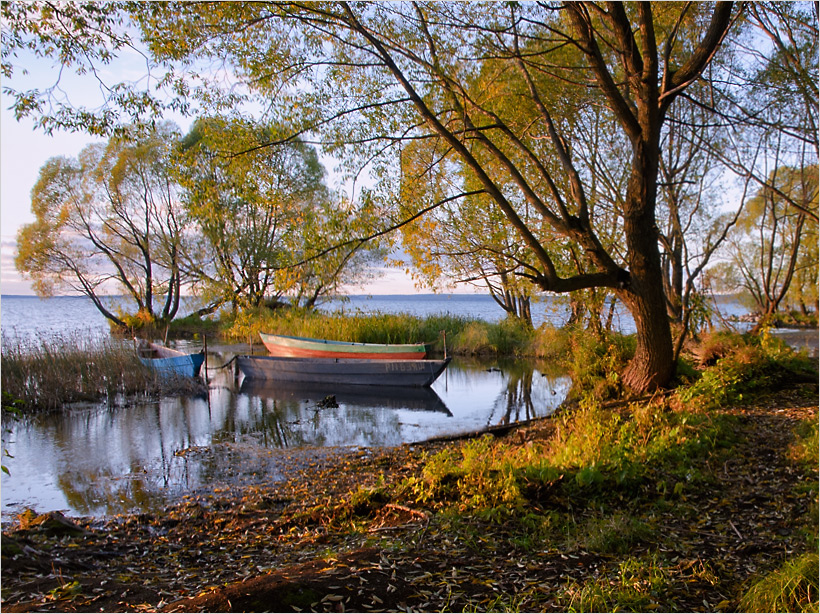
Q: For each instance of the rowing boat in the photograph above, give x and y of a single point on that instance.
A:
(168, 361)
(305, 347)
(343, 371)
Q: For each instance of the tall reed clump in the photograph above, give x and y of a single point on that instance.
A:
(462, 335)
(508, 337)
(594, 362)
(361, 328)
(792, 588)
(44, 374)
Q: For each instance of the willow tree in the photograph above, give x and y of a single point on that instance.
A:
(772, 252)
(107, 222)
(264, 215)
(461, 240)
(371, 75)
(363, 78)
(769, 97)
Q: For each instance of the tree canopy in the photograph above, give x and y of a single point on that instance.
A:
(553, 114)
(107, 220)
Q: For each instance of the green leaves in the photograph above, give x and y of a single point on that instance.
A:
(269, 225)
(109, 220)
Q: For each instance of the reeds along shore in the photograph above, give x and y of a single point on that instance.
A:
(45, 374)
(462, 336)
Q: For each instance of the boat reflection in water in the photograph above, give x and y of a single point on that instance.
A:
(347, 396)
(99, 460)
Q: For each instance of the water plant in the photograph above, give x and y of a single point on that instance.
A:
(461, 335)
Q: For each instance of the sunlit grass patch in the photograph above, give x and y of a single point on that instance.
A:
(636, 586)
(804, 451)
(356, 327)
(598, 446)
(617, 533)
(478, 475)
(599, 455)
(792, 588)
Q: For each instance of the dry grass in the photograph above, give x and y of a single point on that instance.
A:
(45, 374)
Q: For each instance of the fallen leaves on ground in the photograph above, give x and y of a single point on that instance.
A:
(289, 547)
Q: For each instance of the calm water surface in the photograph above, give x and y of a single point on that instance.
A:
(100, 460)
(103, 461)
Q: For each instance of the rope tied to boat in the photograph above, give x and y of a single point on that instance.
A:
(222, 366)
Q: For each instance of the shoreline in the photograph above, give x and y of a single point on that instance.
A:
(339, 533)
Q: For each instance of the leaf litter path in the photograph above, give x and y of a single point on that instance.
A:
(288, 547)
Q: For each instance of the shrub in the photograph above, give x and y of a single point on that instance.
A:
(511, 337)
(714, 346)
(754, 363)
(595, 364)
(551, 343)
(479, 476)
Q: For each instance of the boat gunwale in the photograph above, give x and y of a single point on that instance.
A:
(296, 369)
(426, 347)
(175, 360)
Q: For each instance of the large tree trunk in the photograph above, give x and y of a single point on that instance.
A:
(653, 364)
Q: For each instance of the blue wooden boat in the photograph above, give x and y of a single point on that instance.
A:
(168, 361)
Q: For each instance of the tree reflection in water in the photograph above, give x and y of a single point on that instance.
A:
(101, 461)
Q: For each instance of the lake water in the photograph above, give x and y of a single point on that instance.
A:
(99, 460)
(29, 315)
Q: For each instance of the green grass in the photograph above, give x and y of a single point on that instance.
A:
(648, 450)
(745, 366)
(792, 588)
(463, 336)
(634, 587)
(595, 456)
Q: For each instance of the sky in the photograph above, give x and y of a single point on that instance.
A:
(23, 150)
